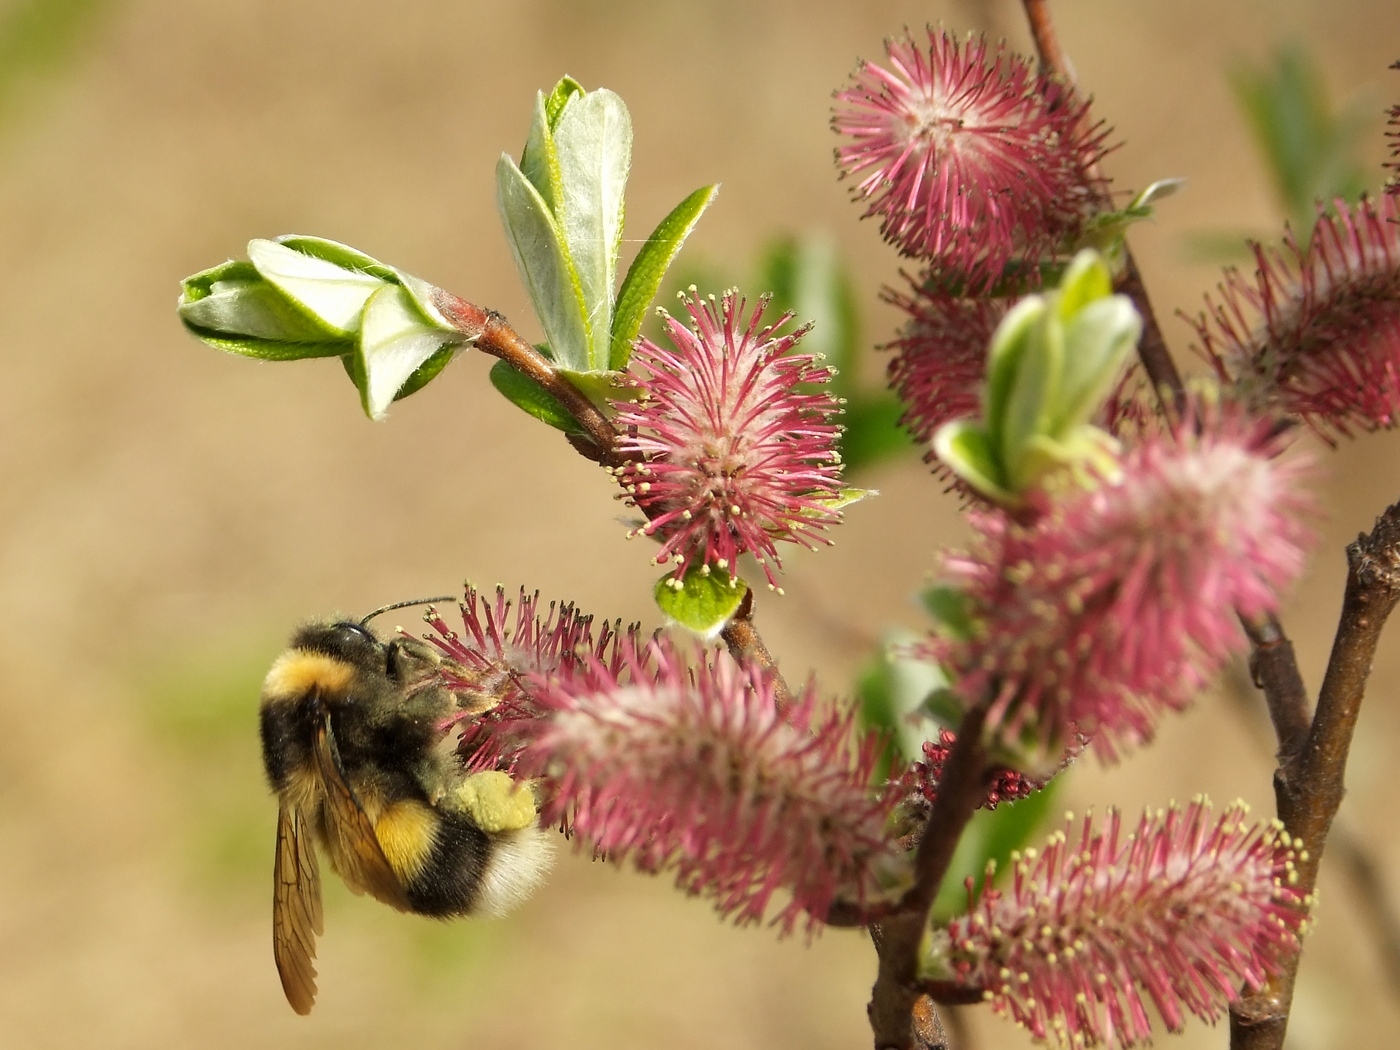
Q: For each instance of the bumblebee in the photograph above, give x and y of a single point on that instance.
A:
(354, 743)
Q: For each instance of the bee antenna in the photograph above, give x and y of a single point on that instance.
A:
(405, 605)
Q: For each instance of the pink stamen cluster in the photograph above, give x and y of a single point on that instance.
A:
(504, 641)
(692, 768)
(730, 449)
(940, 357)
(1184, 909)
(1316, 331)
(1008, 785)
(970, 159)
(1117, 602)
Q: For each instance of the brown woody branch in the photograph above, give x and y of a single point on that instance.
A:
(899, 1004)
(1309, 784)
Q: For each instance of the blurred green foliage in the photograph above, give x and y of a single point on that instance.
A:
(901, 698)
(201, 706)
(38, 38)
(991, 835)
(1310, 148)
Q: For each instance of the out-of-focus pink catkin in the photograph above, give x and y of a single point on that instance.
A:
(970, 159)
(1315, 331)
(1181, 912)
(1119, 601)
(734, 445)
(940, 357)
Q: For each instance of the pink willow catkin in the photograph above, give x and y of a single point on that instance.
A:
(691, 768)
(1185, 909)
(1117, 602)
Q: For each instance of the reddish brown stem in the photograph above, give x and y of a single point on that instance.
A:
(492, 334)
(1310, 783)
(746, 646)
(1274, 668)
(1047, 41)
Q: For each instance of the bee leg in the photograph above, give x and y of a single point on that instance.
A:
(492, 801)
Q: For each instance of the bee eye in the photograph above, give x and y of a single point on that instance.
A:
(357, 631)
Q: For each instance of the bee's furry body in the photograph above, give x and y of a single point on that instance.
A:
(354, 747)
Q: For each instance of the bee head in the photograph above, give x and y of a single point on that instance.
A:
(343, 640)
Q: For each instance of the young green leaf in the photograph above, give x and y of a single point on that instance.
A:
(593, 143)
(233, 308)
(649, 267)
(329, 292)
(523, 392)
(702, 602)
(396, 340)
(540, 254)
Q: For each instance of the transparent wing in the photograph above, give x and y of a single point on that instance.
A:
(349, 832)
(296, 908)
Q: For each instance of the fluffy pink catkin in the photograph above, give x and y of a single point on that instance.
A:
(1315, 332)
(1118, 602)
(1180, 912)
(970, 159)
(689, 767)
(733, 445)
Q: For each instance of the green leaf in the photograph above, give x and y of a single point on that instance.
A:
(893, 690)
(330, 293)
(395, 342)
(232, 308)
(523, 392)
(1156, 191)
(537, 244)
(1013, 334)
(540, 162)
(991, 835)
(847, 496)
(703, 601)
(564, 92)
(1034, 392)
(649, 267)
(593, 143)
(1312, 150)
(1086, 280)
(1098, 341)
(950, 610)
(427, 371)
(601, 387)
(341, 255)
(964, 446)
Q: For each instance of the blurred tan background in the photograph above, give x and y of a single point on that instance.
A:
(169, 512)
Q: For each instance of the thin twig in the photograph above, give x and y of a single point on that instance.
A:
(746, 646)
(1309, 785)
(492, 334)
(961, 789)
(1274, 669)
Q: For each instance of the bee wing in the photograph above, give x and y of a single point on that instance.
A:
(296, 908)
(354, 844)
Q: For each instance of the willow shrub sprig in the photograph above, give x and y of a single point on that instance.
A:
(1123, 547)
